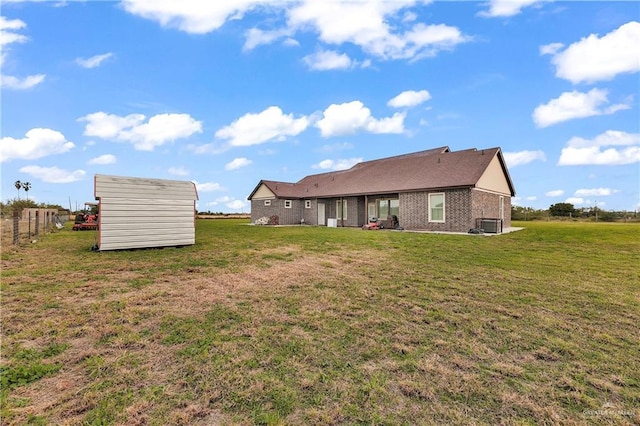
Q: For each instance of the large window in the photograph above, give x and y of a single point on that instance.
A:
(341, 209)
(388, 207)
(436, 207)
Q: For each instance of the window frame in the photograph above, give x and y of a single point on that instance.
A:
(267, 202)
(288, 204)
(340, 210)
(431, 207)
(307, 204)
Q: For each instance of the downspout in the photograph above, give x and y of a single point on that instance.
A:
(341, 212)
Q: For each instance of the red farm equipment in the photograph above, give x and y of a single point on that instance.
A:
(86, 221)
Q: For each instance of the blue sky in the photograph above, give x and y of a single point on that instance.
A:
(227, 93)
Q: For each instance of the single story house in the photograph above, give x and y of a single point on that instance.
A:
(436, 190)
(143, 213)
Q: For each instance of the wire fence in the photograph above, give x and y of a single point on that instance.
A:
(19, 227)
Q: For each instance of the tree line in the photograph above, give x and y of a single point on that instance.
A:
(568, 210)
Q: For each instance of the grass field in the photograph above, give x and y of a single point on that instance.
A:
(306, 325)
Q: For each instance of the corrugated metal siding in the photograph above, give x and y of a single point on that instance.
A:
(141, 213)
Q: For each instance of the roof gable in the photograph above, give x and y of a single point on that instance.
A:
(494, 178)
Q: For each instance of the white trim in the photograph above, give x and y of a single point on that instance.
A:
(307, 204)
(444, 205)
(267, 202)
(288, 204)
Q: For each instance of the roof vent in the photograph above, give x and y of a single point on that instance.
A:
(482, 152)
(438, 159)
(315, 184)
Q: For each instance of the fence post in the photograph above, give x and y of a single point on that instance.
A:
(37, 223)
(16, 227)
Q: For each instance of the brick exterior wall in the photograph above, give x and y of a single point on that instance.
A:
(291, 216)
(414, 211)
(487, 205)
(462, 208)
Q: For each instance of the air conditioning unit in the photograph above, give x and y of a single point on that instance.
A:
(491, 226)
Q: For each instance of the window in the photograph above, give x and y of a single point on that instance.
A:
(388, 207)
(307, 204)
(371, 210)
(436, 208)
(267, 202)
(287, 204)
(341, 209)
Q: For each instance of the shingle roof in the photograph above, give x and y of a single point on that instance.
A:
(437, 168)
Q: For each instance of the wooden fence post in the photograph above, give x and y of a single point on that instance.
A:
(37, 223)
(16, 227)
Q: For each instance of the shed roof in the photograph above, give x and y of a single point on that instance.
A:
(437, 168)
(144, 188)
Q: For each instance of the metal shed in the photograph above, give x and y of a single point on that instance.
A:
(141, 213)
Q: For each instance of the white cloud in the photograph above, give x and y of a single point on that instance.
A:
(506, 8)
(103, 159)
(366, 24)
(236, 205)
(93, 61)
(595, 192)
(351, 117)
(8, 36)
(11, 82)
(195, 17)
(37, 143)
(53, 174)
(609, 148)
(178, 171)
(531, 198)
(157, 131)
(328, 60)
(256, 37)
(208, 187)
(575, 200)
(409, 98)
(596, 58)
(237, 163)
(342, 164)
(514, 159)
(230, 203)
(571, 105)
(551, 48)
(555, 193)
(254, 129)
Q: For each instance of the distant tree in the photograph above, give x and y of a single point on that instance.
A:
(17, 204)
(562, 209)
(26, 186)
(527, 213)
(18, 185)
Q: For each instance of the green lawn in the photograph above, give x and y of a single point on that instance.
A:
(306, 325)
